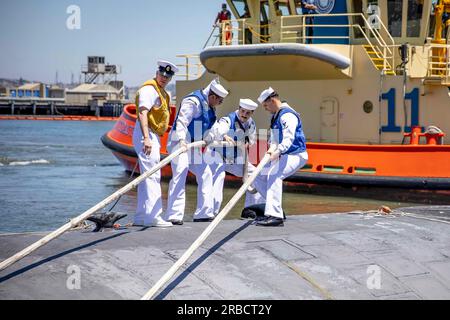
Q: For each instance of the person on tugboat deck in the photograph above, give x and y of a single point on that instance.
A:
(309, 7)
(153, 103)
(223, 15)
(286, 134)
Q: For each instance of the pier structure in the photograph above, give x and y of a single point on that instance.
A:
(58, 106)
(101, 95)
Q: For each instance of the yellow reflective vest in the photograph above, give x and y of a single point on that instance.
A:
(158, 117)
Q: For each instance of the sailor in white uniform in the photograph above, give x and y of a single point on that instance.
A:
(236, 127)
(196, 116)
(289, 156)
(153, 111)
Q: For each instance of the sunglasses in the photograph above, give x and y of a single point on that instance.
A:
(165, 75)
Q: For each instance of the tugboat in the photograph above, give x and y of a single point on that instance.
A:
(371, 80)
(373, 116)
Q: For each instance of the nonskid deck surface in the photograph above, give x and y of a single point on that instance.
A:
(405, 255)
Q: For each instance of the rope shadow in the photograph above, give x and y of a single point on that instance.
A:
(56, 256)
(199, 261)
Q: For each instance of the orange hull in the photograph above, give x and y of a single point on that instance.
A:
(120, 139)
(403, 166)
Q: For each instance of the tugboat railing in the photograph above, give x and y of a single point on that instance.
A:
(189, 65)
(303, 25)
(381, 47)
(293, 29)
(439, 62)
(210, 36)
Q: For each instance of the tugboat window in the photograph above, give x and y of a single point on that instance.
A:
(395, 17)
(298, 7)
(357, 8)
(415, 9)
(240, 6)
(432, 21)
(264, 9)
(282, 7)
(373, 14)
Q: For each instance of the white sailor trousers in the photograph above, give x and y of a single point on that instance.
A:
(196, 162)
(270, 182)
(149, 203)
(219, 169)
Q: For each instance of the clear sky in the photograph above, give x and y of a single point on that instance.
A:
(35, 41)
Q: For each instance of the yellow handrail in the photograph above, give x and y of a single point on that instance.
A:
(381, 48)
(243, 24)
(439, 64)
(188, 75)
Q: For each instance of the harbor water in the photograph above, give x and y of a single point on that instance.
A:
(51, 171)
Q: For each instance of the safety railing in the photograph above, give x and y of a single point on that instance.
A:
(192, 67)
(294, 29)
(237, 32)
(253, 33)
(439, 62)
(213, 36)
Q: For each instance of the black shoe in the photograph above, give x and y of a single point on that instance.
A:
(176, 222)
(204, 219)
(270, 221)
(248, 214)
(260, 218)
(256, 211)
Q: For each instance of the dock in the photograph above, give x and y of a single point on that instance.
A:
(356, 255)
(54, 107)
